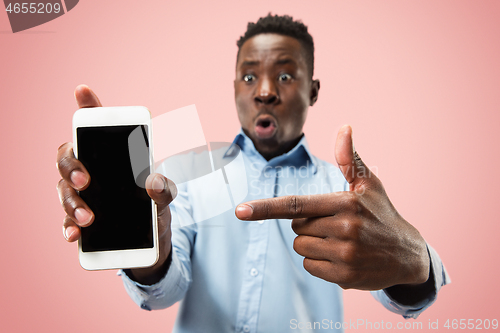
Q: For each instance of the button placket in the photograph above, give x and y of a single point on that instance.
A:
(251, 289)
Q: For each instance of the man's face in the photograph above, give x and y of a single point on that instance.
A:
(273, 91)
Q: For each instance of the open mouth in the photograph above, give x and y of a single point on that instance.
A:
(265, 127)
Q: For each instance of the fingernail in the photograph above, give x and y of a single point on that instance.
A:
(158, 184)
(244, 211)
(78, 178)
(68, 232)
(83, 216)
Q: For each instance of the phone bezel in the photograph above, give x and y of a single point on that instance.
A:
(117, 116)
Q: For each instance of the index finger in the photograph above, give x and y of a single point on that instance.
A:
(71, 169)
(292, 206)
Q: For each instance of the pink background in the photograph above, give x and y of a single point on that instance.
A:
(419, 81)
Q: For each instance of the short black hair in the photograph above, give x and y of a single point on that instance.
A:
(283, 25)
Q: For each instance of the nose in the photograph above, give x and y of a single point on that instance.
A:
(266, 92)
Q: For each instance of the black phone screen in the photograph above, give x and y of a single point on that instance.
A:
(121, 205)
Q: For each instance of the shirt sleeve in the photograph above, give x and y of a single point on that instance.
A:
(173, 286)
(441, 278)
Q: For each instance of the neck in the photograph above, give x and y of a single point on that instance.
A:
(268, 153)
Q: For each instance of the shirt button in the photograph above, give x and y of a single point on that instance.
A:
(246, 328)
(261, 221)
(254, 272)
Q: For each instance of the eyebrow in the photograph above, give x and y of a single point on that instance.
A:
(277, 62)
(250, 63)
(284, 61)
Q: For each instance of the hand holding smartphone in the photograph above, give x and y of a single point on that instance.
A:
(75, 179)
(114, 146)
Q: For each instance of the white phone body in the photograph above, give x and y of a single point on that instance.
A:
(89, 123)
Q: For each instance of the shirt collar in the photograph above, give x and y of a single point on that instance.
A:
(302, 148)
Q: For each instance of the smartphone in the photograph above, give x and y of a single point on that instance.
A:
(115, 145)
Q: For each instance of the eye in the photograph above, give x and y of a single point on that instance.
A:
(249, 78)
(284, 77)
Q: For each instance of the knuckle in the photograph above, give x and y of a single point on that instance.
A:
(65, 196)
(350, 230)
(64, 163)
(60, 185)
(319, 269)
(62, 191)
(347, 254)
(297, 225)
(296, 245)
(267, 210)
(63, 147)
(299, 245)
(67, 222)
(309, 265)
(295, 206)
(67, 201)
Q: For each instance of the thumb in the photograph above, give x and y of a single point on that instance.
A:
(86, 98)
(354, 170)
(162, 190)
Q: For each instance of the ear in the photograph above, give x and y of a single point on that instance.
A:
(314, 92)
